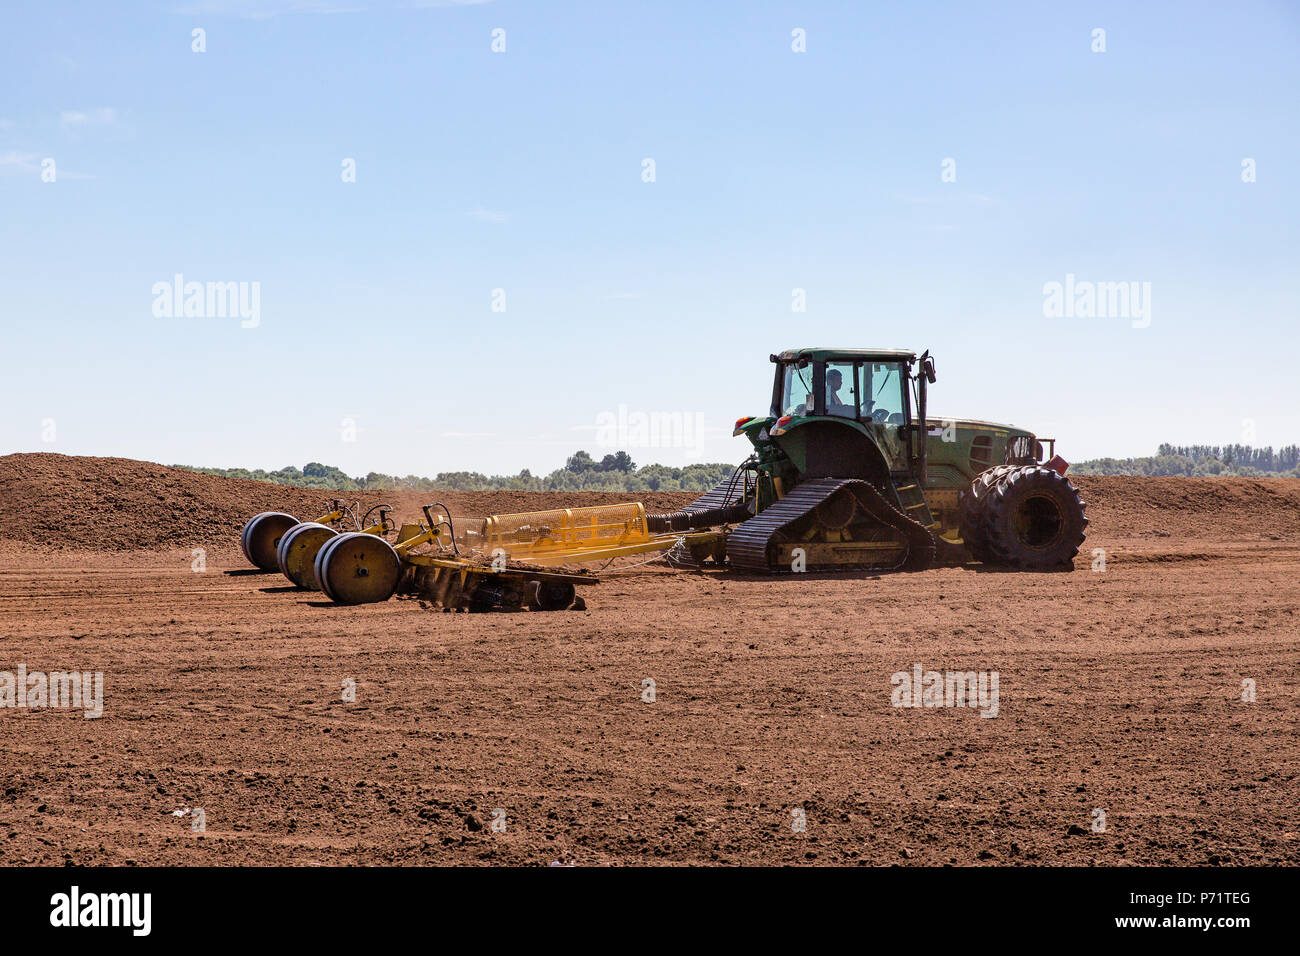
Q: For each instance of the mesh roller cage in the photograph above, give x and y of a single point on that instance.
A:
(469, 537)
(561, 530)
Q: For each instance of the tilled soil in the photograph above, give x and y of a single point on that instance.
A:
(1119, 690)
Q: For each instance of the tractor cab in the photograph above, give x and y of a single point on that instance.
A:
(855, 413)
(854, 384)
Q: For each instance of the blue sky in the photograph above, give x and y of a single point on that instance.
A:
(523, 171)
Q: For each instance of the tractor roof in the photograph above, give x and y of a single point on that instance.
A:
(849, 355)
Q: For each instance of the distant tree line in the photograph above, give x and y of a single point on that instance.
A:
(1202, 461)
(616, 472)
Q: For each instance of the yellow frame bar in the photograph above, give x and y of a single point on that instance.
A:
(604, 553)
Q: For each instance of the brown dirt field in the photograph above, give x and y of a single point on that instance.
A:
(1119, 690)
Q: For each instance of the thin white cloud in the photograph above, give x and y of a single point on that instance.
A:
(626, 295)
(468, 435)
(104, 116)
(975, 199)
(14, 163)
(487, 215)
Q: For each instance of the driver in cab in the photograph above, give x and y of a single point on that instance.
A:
(834, 404)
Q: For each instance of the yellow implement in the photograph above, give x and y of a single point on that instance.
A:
(260, 539)
(359, 568)
(466, 564)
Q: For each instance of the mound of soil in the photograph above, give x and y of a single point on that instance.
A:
(1215, 508)
(69, 503)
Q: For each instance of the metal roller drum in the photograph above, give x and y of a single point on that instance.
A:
(356, 568)
(261, 536)
(298, 549)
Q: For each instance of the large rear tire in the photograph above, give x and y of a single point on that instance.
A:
(974, 519)
(1034, 519)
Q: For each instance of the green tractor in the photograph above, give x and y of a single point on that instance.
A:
(849, 472)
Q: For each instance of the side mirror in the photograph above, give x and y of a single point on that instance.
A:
(927, 367)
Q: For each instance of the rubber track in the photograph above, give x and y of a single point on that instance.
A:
(747, 545)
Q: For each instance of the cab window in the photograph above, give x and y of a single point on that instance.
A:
(841, 389)
(797, 390)
(882, 392)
